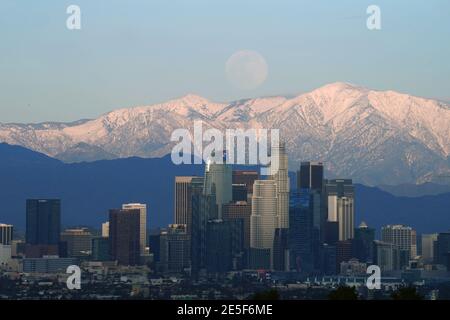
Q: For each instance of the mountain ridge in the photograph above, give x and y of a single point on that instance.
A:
(375, 137)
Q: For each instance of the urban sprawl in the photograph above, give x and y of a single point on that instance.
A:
(235, 236)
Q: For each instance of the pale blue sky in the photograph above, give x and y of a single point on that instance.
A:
(141, 52)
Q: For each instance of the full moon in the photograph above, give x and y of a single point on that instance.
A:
(246, 69)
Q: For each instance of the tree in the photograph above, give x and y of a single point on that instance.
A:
(343, 293)
(407, 293)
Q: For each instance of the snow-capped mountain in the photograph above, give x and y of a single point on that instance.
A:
(374, 137)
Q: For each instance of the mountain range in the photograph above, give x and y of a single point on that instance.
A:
(374, 137)
(88, 189)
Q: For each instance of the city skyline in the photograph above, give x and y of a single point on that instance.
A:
(229, 150)
(318, 238)
(240, 175)
(333, 188)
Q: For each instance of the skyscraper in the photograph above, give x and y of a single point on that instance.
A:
(239, 211)
(310, 184)
(238, 250)
(442, 249)
(346, 215)
(78, 241)
(43, 223)
(264, 218)
(218, 181)
(386, 256)
(363, 242)
(428, 245)
(183, 200)
(6, 234)
(344, 252)
(105, 229)
(100, 249)
(281, 179)
(301, 231)
(124, 235)
(331, 232)
(142, 224)
(310, 176)
(328, 259)
(5, 255)
(219, 246)
(318, 211)
(204, 208)
(405, 238)
(175, 250)
(281, 252)
(154, 242)
(340, 201)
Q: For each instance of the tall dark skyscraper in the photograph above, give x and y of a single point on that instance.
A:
(313, 215)
(175, 249)
(43, 224)
(142, 207)
(442, 249)
(203, 208)
(124, 235)
(154, 242)
(331, 232)
(363, 242)
(239, 211)
(301, 231)
(344, 252)
(238, 216)
(281, 250)
(328, 259)
(43, 221)
(310, 176)
(219, 246)
(100, 249)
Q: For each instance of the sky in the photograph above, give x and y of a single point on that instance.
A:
(130, 53)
